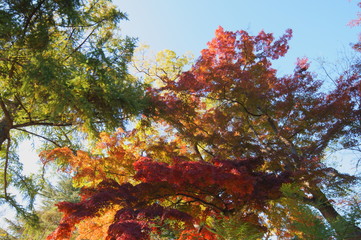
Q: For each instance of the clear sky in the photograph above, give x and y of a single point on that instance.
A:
(319, 26)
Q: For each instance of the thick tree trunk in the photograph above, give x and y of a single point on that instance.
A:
(5, 126)
(6, 122)
(344, 229)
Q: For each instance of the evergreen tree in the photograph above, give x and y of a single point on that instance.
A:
(63, 68)
(49, 216)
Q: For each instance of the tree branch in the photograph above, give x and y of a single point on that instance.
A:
(39, 123)
(23, 107)
(27, 23)
(198, 152)
(6, 169)
(37, 135)
(202, 201)
(80, 45)
(210, 153)
(241, 104)
(5, 110)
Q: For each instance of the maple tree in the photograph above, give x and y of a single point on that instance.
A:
(63, 73)
(232, 103)
(228, 138)
(183, 190)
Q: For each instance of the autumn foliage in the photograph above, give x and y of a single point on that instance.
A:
(221, 139)
(222, 186)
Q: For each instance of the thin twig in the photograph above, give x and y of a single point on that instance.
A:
(80, 45)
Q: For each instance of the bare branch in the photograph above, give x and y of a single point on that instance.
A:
(328, 75)
(80, 45)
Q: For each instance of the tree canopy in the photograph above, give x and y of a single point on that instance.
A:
(63, 68)
(227, 140)
(222, 148)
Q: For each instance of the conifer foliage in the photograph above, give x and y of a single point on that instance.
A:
(63, 70)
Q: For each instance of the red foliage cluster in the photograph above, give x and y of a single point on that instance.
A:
(129, 223)
(233, 183)
(221, 186)
(135, 224)
(233, 102)
(233, 56)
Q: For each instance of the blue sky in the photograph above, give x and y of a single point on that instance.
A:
(319, 26)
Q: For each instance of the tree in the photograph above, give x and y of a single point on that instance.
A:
(232, 103)
(234, 141)
(63, 67)
(49, 217)
(164, 194)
